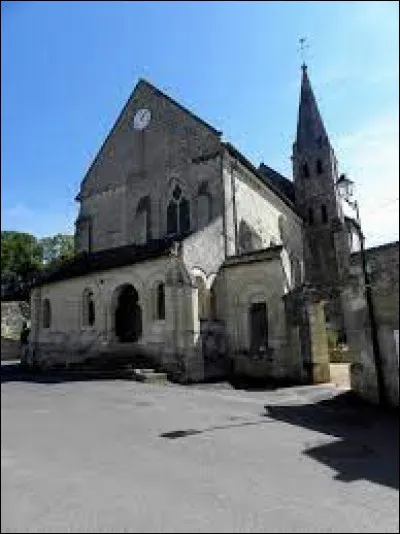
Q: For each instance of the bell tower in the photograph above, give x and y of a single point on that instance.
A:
(315, 173)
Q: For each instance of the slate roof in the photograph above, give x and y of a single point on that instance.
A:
(310, 127)
(283, 184)
(85, 263)
(264, 254)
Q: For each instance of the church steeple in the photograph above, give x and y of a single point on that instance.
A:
(311, 133)
(315, 172)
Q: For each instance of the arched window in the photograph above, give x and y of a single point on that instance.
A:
(306, 172)
(324, 213)
(142, 224)
(172, 218)
(320, 168)
(258, 320)
(160, 301)
(203, 206)
(88, 308)
(310, 216)
(178, 213)
(184, 215)
(46, 313)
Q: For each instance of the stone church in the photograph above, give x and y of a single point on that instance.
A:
(191, 256)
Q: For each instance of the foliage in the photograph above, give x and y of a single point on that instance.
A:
(21, 254)
(57, 248)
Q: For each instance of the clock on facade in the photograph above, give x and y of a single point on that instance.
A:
(141, 119)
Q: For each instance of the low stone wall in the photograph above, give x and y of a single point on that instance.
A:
(10, 349)
(247, 366)
(13, 314)
(266, 367)
(383, 263)
(340, 374)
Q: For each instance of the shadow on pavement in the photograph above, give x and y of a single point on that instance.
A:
(15, 372)
(259, 384)
(368, 444)
(175, 434)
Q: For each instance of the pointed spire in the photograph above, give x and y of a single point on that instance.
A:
(311, 133)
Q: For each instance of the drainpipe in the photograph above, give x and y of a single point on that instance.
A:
(234, 167)
(38, 307)
(225, 206)
(372, 319)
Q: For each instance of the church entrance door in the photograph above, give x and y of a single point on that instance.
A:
(128, 315)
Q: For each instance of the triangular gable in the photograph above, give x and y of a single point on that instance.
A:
(120, 135)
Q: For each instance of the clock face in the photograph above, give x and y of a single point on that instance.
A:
(141, 119)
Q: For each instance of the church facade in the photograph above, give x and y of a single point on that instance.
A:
(192, 256)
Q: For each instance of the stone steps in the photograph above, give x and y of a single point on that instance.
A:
(124, 373)
(149, 375)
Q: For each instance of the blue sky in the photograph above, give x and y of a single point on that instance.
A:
(68, 68)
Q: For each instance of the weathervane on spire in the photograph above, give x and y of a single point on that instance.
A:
(303, 47)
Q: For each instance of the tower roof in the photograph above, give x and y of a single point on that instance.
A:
(311, 131)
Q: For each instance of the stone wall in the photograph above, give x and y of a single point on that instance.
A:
(13, 315)
(383, 263)
(307, 333)
(10, 349)
(251, 206)
(174, 149)
(67, 329)
(171, 343)
(243, 281)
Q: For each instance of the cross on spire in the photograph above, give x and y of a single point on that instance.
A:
(303, 47)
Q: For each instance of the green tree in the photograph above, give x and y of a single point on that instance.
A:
(57, 248)
(21, 253)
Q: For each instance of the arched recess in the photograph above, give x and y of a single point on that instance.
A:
(88, 308)
(244, 296)
(142, 222)
(157, 298)
(203, 205)
(46, 313)
(178, 211)
(256, 308)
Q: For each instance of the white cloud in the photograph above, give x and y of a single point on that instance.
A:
(370, 157)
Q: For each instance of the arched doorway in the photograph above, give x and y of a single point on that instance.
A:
(128, 315)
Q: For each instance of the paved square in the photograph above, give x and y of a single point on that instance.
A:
(121, 456)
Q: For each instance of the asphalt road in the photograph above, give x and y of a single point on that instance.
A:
(122, 456)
